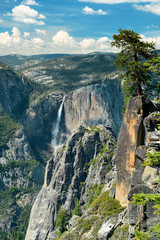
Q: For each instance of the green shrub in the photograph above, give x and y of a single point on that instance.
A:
(77, 209)
(105, 206)
(157, 115)
(85, 224)
(94, 192)
(141, 235)
(152, 159)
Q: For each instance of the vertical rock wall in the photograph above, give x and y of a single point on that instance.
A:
(133, 136)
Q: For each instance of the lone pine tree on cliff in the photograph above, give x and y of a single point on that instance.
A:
(136, 77)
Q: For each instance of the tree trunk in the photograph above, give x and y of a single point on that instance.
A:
(139, 89)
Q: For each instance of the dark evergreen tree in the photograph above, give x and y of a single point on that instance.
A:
(154, 66)
(135, 76)
(62, 219)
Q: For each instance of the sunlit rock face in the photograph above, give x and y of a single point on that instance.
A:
(96, 104)
(137, 134)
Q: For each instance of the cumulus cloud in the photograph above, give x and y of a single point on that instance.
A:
(30, 2)
(89, 11)
(62, 38)
(1, 21)
(5, 39)
(62, 42)
(25, 14)
(87, 43)
(153, 8)
(26, 34)
(16, 43)
(14, 39)
(152, 39)
(40, 31)
(119, 1)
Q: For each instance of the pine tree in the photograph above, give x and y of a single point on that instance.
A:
(135, 76)
(62, 219)
(154, 66)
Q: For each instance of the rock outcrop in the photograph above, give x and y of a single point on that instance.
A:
(138, 135)
(79, 164)
(132, 142)
(16, 149)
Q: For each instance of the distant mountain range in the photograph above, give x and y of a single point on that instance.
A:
(16, 60)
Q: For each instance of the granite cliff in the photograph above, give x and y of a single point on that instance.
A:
(83, 173)
(81, 163)
(85, 163)
(28, 115)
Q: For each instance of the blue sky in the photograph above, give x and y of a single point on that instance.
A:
(73, 26)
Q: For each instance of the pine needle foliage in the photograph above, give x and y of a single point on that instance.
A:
(136, 78)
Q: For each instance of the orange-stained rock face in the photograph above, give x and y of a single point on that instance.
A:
(121, 193)
(130, 137)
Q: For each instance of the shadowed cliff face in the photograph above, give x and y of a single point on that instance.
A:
(15, 90)
(133, 136)
(96, 104)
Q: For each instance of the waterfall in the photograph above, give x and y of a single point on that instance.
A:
(55, 132)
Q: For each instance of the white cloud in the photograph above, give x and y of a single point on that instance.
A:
(38, 42)
(30, 2)
(1, 21)
(89, 11)
(119, 1)
(26, 34)
(87, 43)
(5, 39)
(64, 43)
(40, 31)
(61, 42)
(26, 15)
(153, 8)
(152, 26)
(62, 38)
(152, 39)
